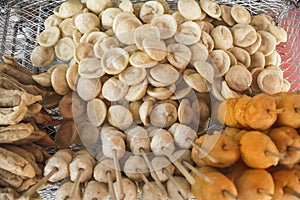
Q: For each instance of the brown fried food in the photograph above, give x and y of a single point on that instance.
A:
(285, 180)
(226, 152)
(225, 113)
(22, 77)
(234, 172)
(287, 141)
(26, 155)
(234, 133)
(27, 184)
(8, 193)
(66, 134)
(46, 141)
(9, 101)
(291, 114)
(33, 109)
(51, 100)
(37, 135)
(9, 82)
(9, 179)
(10, 116)
(10, 94)
(65, 106)
(43, 79)
(258, 113)
(239, 110)
(13, 63)
(216, 189)
(5, 83)
(12, 133)
(43, 118)
(254, 150)
(15, 164)
(255, 184)
(36, 150)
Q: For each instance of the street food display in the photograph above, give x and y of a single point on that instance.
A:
(134, 83)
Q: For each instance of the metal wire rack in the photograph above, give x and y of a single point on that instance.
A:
(22, 20)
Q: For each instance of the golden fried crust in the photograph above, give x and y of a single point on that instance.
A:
(251, 180)
(225, 157)
(253, 147)
(33, 110)
(226, 113)
(286, 178)
(291, 115)
(258, 113)
(239, 110)
(284, 138)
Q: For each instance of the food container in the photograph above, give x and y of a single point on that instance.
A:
(22, 20)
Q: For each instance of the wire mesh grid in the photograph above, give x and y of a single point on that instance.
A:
(21, 22)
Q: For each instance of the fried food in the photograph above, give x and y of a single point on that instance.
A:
(239, 110)
(219, 187)
(66, 134)
(291, 112)
(10, 116)
(95, 190)
(287, 141)
(13, 96)
(17, 73)
(25, 154)
(64, 192)
(286, 181)
(12, 133)
(8, 193)
(10, 179)
(258, 113)
(36, 150)
(254, 150)
(16, 164)
(226, 152)
(225, 113)
(255, 184)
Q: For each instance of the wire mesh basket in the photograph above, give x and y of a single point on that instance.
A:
(22, 20)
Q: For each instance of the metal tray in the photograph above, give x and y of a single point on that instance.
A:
(22, 20)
